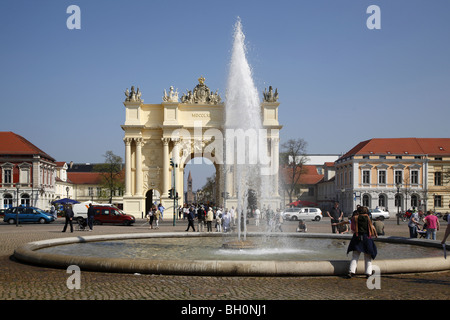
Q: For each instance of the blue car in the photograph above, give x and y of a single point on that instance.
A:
(27, 214)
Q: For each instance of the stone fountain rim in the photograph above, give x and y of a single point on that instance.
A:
(29, 253)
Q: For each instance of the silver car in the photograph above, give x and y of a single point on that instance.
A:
(314, 214)
(378, 213)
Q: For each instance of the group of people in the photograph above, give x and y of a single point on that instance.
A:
(341, 226)
(365, 231)
(429, 228)
(201, 216)
(154, 215)
(205, 216)
(68, 215)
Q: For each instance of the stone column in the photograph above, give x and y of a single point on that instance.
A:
(127, 166)
(275, 164)
(166, 172)
(139, 181)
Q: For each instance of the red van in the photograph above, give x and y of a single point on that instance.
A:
(109, 214)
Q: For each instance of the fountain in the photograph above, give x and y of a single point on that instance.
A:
(242, 112)
(273, 254)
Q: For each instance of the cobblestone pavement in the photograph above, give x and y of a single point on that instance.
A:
(21, 281)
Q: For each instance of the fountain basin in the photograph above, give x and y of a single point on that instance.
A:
(41, 253)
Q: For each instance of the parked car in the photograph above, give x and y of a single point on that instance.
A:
(307, 213)
(111, 214)
(27, 214)
(375, 213)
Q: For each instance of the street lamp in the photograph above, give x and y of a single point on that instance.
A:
(17, 209)
(398, 203)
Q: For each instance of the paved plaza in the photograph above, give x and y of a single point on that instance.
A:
(27, 282)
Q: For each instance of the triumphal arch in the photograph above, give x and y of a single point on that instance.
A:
(160, 139)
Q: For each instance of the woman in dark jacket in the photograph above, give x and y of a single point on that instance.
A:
(362, 241)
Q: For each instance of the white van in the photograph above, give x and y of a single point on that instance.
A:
(80, 209)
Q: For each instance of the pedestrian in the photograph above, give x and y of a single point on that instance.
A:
(185, 211)
(362, 242)
(226, 220)
(257, 216)
(150, 217)
(301, 226)
(219, 222)
(191, 217)
(335, 215)
(201, 215)
(161, 209)
(90, 217)
(209, 220)
(414, 222)
(157, 216)
(232, 215)
(432, 225)
(379, 226)
(278, 221)
(447, 230)
(53, 212)
(68, 213)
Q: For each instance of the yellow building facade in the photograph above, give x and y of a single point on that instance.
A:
(395, 174)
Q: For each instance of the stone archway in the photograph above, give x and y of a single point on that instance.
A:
(177, 130)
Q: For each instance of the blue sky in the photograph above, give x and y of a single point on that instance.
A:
(339, 82)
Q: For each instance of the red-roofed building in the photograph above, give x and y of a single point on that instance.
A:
(395, 174)
(27, 173)
(305, 188)
(314, 181)
(87, 185)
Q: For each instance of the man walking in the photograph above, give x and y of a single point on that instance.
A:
(90, 216)
(68, 213)
(191, 217)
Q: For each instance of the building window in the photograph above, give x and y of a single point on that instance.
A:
(7, 176)
(366, 177)
(414, 177)
(398, 177)
(438, 178)
(437, 201)
(7, 201)
(382, 201)
(414, 201)
(366, 200)
(24, 176)
(25, 200)
(382, 177)
(398, 200)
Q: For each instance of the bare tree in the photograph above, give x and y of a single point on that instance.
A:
(111, 174)
(292, 158)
